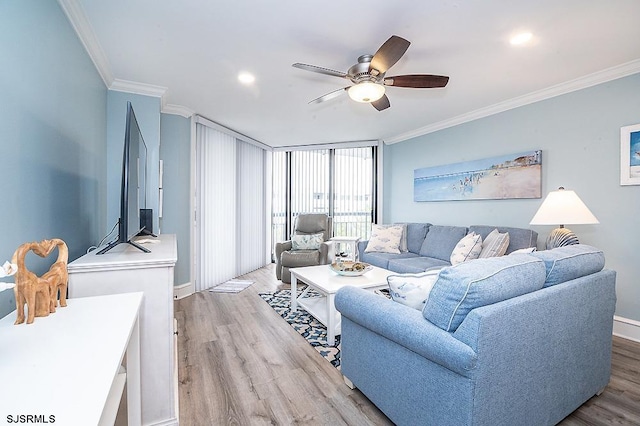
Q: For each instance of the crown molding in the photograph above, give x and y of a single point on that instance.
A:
(590, 80)
(138, 88)
(76, 16)
(332, 145)
(177, 110)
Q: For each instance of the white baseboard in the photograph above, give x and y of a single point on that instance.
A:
(626, 328)
(183, 290)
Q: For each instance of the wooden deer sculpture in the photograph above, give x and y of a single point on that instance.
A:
(40, 293)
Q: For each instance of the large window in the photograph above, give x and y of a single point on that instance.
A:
(339, 182)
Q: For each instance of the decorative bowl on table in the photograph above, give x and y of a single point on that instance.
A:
(349, 268)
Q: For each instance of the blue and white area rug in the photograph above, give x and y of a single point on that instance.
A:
(305, 324)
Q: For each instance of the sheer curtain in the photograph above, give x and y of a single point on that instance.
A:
(230, 225)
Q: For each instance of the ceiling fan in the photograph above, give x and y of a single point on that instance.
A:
(368, 76)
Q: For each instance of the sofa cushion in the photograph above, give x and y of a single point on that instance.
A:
(381, 260)
(306, 241)
(468, 248)
(570, 262)
(466, 286)
(411, 289)
(385, 239)
(441, 240)
(414, 265)
(518, 237)
(415, 236)
(495, 244)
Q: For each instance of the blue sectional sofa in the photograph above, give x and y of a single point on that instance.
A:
(430, 246)
(523, 339)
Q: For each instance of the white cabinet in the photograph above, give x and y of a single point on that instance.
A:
(126, 269)
(65, 368)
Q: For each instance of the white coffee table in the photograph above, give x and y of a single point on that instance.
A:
(326, 282)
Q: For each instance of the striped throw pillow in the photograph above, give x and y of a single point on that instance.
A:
(494, 245)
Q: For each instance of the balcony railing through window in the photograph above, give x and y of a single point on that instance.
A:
(339, 182)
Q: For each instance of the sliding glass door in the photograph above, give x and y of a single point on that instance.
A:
(339, 182)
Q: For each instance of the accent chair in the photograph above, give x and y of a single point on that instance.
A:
(306, 228)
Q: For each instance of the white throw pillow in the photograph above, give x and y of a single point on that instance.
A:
(306, 241)
(384, 239)
(495, 244)
(403, 240)
(412, 289)
(468, 248)
(524, 250)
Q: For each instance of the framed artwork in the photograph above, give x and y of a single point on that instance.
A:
(630, 155)
(505, 177)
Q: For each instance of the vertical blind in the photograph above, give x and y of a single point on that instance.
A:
(339, 182)
(279, 198)
(230, 207)
(251, 229)
(310, 181)
(353, 194)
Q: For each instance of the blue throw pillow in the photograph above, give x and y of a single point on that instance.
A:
(570, 262)
(466, 286)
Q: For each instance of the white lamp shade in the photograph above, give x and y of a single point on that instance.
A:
(563, 207)
(366, 91)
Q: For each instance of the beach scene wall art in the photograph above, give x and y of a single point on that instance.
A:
(630, 155)
(497, 178)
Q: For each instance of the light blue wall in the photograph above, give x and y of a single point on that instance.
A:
(175, 152)
(52, 135)
(579, 134)
(147, 110)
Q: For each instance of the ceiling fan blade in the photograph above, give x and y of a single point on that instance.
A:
(329, 95)
(423, 81)
(388, 54)
(382, 103)
(320, 70)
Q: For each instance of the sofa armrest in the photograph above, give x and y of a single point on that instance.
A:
(362, 245)
(406, 327)
(280, 247)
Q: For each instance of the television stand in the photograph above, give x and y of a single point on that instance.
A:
(139, 247)
(146, 232)
(116, 243)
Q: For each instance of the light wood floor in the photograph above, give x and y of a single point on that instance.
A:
(240, 363)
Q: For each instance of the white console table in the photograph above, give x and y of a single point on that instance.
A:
(66, 368)
(125, 269)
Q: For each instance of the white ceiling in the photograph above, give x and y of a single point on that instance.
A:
(195, 49)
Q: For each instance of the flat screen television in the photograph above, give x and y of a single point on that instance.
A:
(133, 186)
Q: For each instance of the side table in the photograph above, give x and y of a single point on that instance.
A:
(351, 247)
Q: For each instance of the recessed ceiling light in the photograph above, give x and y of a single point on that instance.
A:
(521, 38)
(246, 78)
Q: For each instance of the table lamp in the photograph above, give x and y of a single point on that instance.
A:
(562, 207)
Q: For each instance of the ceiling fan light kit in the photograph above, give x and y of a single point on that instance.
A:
(368, 76)
(366, 91)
